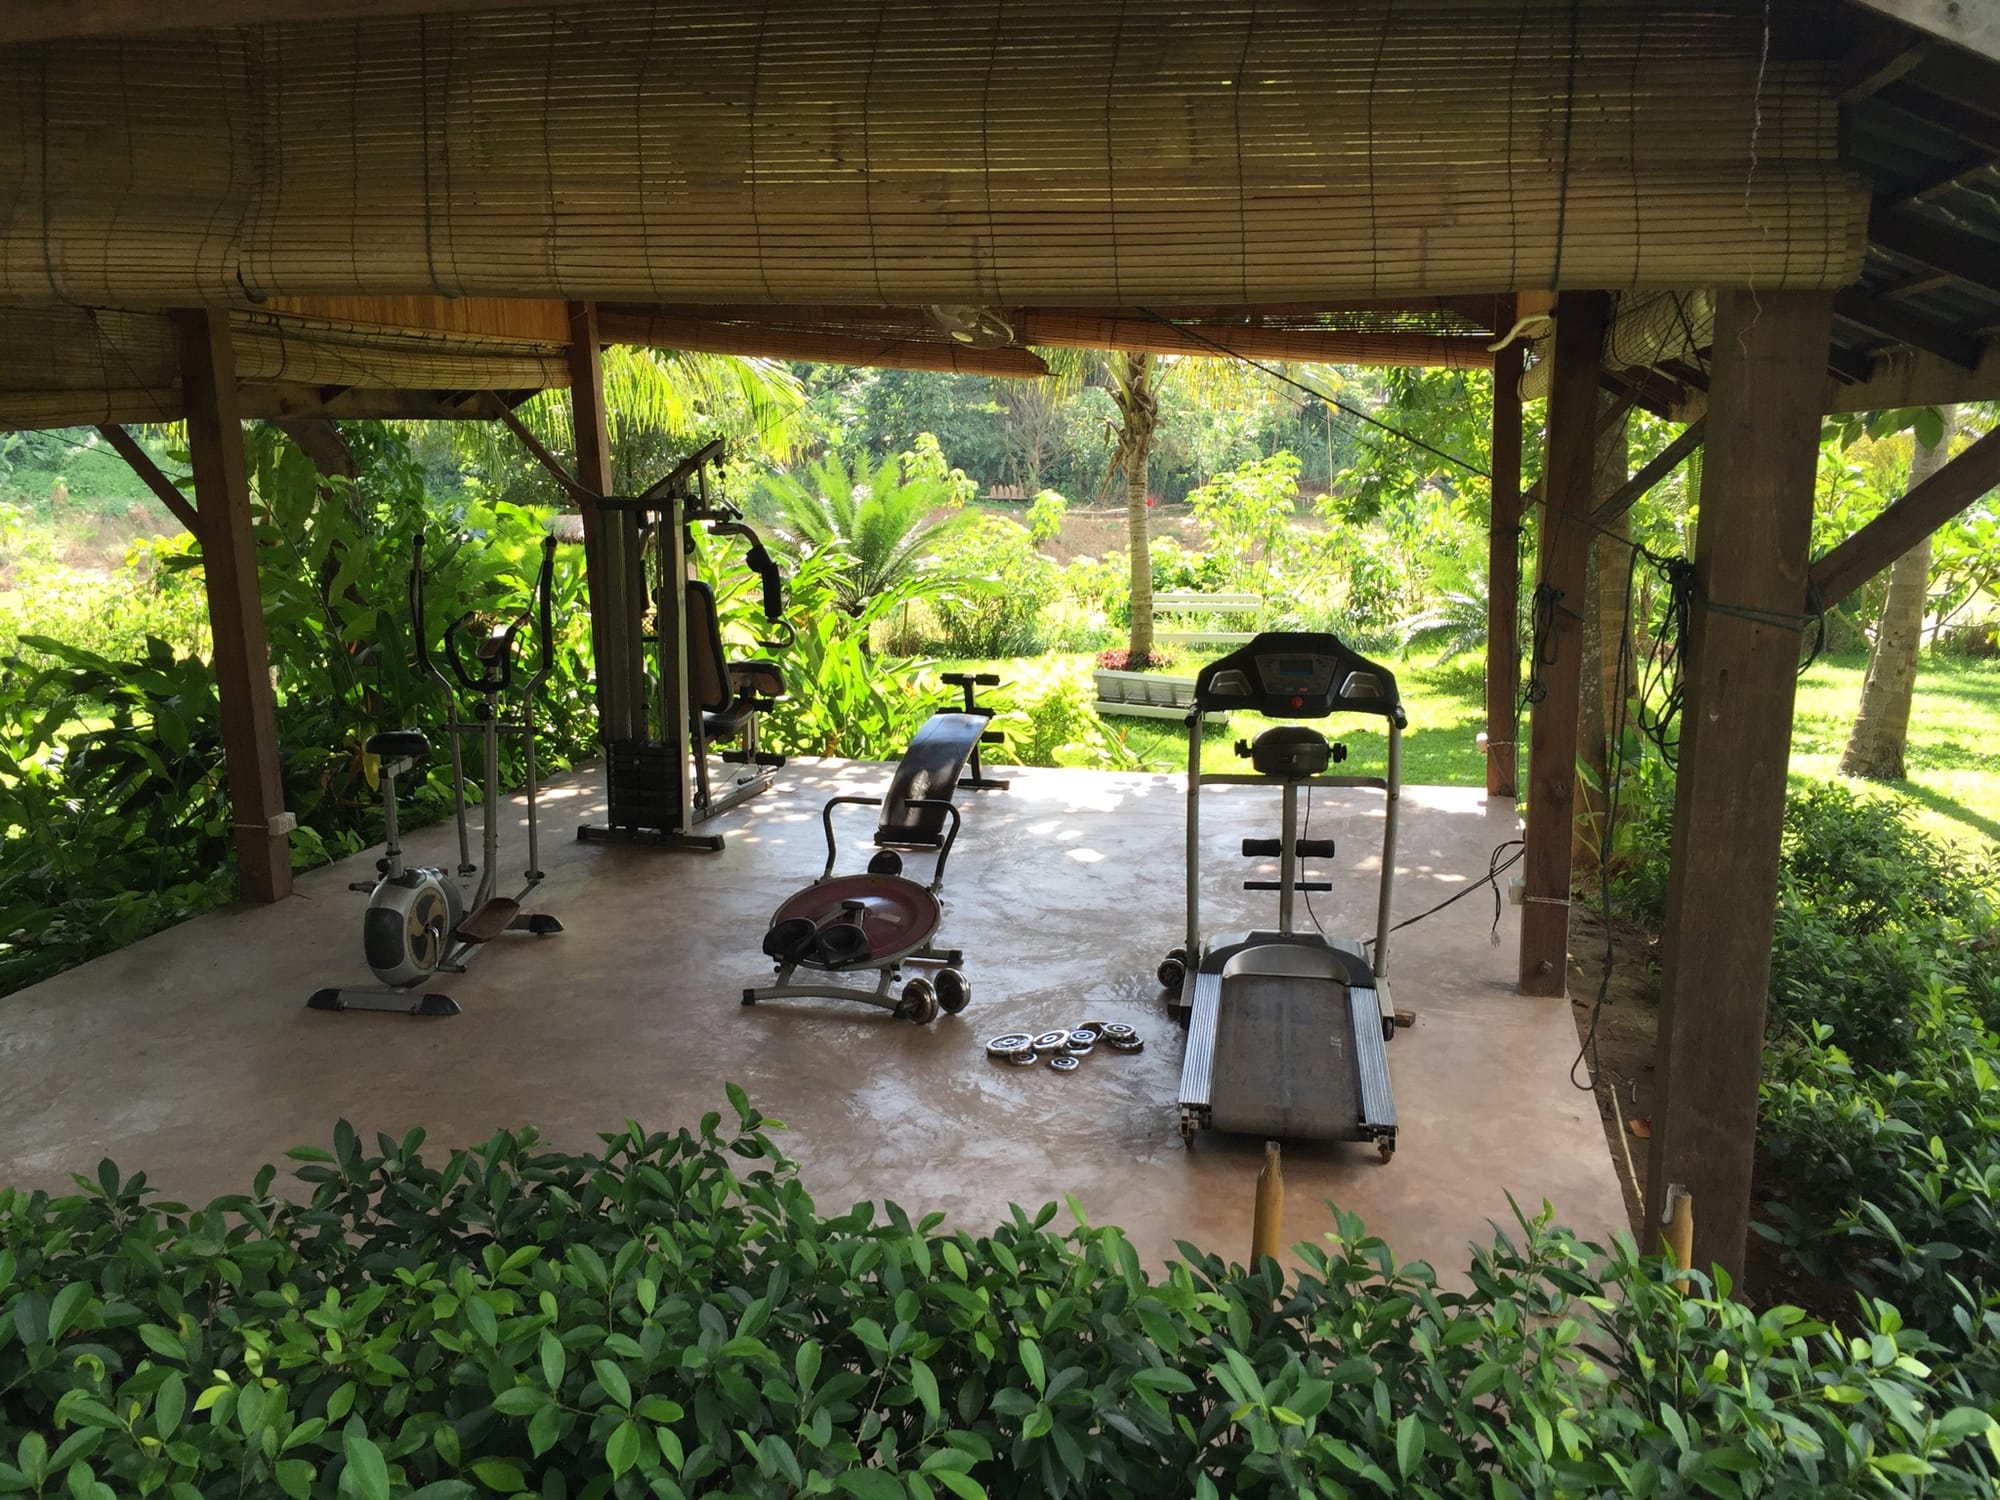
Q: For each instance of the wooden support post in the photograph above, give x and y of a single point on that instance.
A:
(235, 606)
(1562, 556)
(1503, 580)
(1741, 673)
(610, 547)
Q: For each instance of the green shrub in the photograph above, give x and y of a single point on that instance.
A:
(1050, 719)
(673, 1316)
(1872, 915)
(1001, 584)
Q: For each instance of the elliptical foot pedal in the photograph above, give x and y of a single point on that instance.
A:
(486, 924)
(430, 1003)
(540, 923)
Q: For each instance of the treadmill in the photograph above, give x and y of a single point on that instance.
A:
(1287, 1031)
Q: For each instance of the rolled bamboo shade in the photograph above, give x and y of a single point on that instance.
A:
(62, 364)
(1645, 329)
(913, 151)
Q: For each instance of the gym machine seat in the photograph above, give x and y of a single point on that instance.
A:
(727, 693)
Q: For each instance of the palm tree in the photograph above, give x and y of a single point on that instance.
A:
(875, 517)
(1135, 382)
(658, 403)
(1881, 730)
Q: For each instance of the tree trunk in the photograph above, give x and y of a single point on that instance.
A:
(1882, 727)
(1608, 574)
(1140, 410)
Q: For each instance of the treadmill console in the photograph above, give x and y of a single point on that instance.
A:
(1298, 675)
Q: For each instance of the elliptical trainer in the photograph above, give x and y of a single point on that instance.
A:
(417, 921)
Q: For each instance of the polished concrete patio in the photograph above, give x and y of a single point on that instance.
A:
(191, 1054)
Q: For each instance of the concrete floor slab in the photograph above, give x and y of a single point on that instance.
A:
(191, 1054)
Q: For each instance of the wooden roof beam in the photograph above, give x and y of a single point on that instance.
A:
(1940, 246)
(1973, 27)
(1649, 474)
(1143, 334)
(1900, 325)
(919, 349)
(1907, 521)
(1975, 128)
(1887, 55)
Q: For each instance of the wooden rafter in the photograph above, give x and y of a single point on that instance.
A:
(1649, 474)
(919, 348)
(1976, 128)
(1953, 251)
(155, 479)
(511, 420)
(1958, 175)
(1887, 55)
(1902, 325)
(1908, 521)
(1144, 333)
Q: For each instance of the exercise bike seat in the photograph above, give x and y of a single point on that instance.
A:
(398, 744)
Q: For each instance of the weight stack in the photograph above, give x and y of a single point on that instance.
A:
(643, 784)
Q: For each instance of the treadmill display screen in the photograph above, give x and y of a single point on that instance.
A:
(1301, 676)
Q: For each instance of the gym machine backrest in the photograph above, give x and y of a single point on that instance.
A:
(725, 692)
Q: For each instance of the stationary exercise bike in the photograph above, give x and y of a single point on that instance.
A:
(418, 922)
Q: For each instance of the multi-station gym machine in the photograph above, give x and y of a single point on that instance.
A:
(667, 692)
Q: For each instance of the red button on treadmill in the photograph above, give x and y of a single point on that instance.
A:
(1298, 703)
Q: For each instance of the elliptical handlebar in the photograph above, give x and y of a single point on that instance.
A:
(496, 672)
(544, 604)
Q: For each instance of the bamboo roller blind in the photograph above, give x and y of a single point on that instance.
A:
(929, 151)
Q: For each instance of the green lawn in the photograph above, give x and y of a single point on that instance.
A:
(1954, 750)
(1953, 759)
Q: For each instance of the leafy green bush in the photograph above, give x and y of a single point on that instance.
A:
(673, 1316)
(1050, 719)
(1879, 1144)
(1872, 915)
(999, 586)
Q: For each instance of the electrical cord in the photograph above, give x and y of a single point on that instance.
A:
(1495, 868)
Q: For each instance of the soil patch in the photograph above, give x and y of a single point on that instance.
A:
(1618, 1039)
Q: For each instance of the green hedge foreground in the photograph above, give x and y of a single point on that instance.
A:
(675, 1317)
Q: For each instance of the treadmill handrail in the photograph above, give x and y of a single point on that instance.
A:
(1391, 787)
(1237, 778)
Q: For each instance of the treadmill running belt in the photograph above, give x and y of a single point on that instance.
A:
(1284, 1059)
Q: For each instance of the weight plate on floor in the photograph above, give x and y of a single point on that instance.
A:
(1052, 1041)
(1013, 1041)
(1079, 1049)
(1129, 1044)
(1026, 1057)
(1113, 1031)
(1064, 1062)
(1084, 1034)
